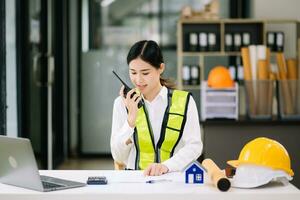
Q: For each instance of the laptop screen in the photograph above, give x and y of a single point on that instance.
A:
(18, 165)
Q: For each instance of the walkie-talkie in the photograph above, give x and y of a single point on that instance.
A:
(127, 89)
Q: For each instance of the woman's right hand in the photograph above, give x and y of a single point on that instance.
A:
(131, 105)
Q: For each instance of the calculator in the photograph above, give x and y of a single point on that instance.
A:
(96, 180)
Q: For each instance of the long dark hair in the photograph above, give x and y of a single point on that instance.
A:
(149, 51)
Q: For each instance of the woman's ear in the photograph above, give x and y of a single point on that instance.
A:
(162, 68)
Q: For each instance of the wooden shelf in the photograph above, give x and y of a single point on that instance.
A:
(197, 21)
(243, 120)
(257, 28)
(217, 53)
(191, 87)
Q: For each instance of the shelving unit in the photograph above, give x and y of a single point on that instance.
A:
(256, 28)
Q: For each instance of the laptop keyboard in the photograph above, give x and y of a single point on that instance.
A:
(48, 185)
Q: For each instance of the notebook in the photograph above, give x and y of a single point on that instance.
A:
(18, 167)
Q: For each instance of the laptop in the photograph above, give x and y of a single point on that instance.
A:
(18, 167)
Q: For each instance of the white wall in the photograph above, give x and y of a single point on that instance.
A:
(11, 81)
(276, 9)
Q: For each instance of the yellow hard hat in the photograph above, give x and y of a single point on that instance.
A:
(219, 77)
(264, 152)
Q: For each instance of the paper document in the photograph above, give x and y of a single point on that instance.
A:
(133, 177)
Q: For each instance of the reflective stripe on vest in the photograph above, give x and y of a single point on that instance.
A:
(172, 128)
(145, 140)
(175, 124)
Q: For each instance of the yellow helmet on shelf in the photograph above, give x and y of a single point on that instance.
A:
(266, 152)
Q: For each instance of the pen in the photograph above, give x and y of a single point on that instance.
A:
(158, 181)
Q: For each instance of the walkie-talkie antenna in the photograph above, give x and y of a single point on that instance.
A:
(120, 78)
(127, 89)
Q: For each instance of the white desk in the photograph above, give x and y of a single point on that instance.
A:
(117, 189)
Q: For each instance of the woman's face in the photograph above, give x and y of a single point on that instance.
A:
(144, 76)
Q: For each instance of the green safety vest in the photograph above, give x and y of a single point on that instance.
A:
(171, 131)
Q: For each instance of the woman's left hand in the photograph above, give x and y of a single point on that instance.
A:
(156, 169)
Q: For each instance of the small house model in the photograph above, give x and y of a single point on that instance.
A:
(194, 173)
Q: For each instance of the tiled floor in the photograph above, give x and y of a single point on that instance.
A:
(88, 164)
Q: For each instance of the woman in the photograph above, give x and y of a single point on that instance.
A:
(164, 134)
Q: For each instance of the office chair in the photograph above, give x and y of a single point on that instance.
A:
(119, 166)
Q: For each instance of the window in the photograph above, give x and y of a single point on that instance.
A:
(198, 177)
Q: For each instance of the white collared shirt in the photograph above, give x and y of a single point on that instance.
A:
(188, 149)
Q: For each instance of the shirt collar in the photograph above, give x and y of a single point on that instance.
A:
(163, 94)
